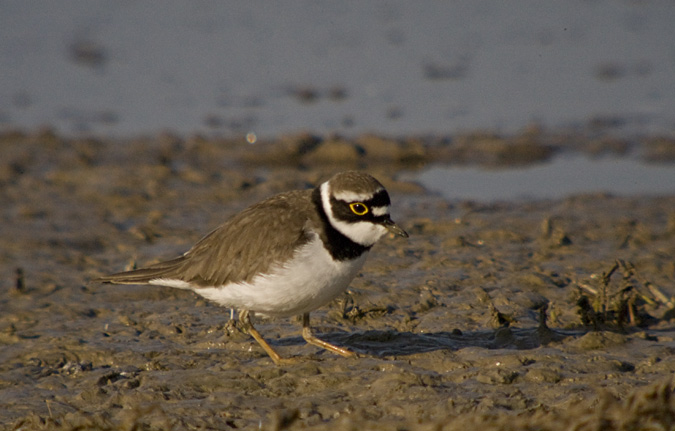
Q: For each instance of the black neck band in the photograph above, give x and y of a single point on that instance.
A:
(338, 245)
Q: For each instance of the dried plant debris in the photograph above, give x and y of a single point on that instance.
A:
(618, 299)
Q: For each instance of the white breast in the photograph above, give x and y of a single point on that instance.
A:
(309, 280)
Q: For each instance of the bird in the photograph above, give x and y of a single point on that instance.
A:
(284, 256)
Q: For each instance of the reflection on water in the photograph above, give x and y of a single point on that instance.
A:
(557, 179)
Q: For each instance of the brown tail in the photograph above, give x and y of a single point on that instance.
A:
(144, 275)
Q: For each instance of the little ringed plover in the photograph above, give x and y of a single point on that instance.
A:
(284, 256)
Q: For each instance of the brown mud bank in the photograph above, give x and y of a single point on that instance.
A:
(549, 314)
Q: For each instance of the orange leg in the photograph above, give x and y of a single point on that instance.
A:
(245, 319)
(311, 339)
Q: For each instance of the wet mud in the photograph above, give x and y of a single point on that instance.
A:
(548, 314)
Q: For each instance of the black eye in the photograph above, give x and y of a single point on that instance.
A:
(358, 208)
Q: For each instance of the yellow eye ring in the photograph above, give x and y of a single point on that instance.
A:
(359, 208)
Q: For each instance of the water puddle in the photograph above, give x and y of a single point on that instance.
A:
(561, 177)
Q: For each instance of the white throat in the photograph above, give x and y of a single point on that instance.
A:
(364, 233)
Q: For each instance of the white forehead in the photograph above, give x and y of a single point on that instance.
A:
(380, 211)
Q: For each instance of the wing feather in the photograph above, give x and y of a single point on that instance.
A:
(249, 243)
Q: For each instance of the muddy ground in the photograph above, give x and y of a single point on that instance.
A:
(551, 314)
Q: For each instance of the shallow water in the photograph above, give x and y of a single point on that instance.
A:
(556, 179)
(396, 68)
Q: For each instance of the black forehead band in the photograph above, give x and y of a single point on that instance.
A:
(381, 199)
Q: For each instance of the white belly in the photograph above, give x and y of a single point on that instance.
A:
(306, 282)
